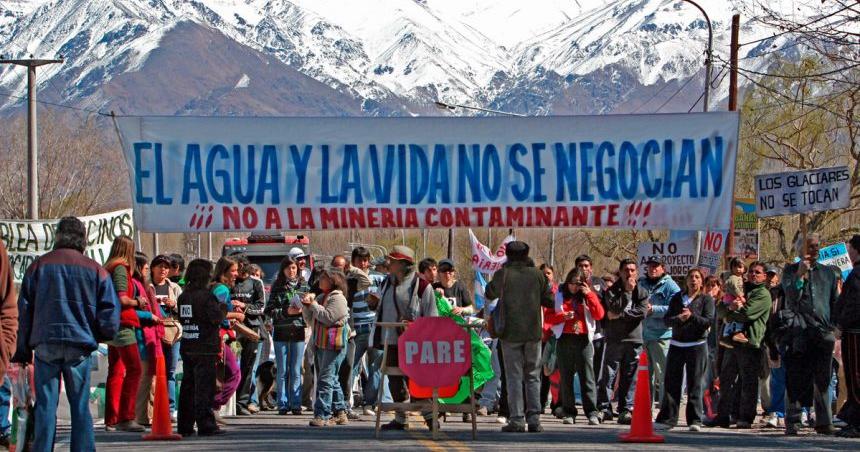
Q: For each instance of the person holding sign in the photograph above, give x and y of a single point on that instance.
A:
(404, 297)
(811, 291)
(846, 316)
(577, 311)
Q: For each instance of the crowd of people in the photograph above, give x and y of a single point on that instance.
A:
(785, 340)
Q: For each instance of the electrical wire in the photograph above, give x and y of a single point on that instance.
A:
(54, 104)
(794, 29)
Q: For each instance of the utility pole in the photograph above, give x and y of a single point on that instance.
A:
(733, 106)
(552, 247)
(708, 54)
(32, 137)
(450, 243)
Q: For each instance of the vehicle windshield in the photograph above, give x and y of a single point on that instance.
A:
(269, 264)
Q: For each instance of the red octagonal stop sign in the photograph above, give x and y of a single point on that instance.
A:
(434, 352)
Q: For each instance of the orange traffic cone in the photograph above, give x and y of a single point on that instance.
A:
(162, 430)
(641, 427)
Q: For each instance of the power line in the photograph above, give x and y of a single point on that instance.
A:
(820, 74)
(54, 104)
(675, 94)
(794, 29)
(650, 98)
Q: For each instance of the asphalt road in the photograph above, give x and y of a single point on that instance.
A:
(269, 432)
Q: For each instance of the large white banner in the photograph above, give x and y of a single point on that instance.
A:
(26, 240)
(673, 171)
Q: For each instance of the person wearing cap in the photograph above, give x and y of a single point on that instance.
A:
(846, 316)
(301, 259)
(453, 289)
(404, 297)
(522, 290)
(655, 332)
(167, 293)
(361, 284)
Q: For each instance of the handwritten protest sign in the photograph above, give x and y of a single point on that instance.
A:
(802, 191)
(678, 256)
(27, 240)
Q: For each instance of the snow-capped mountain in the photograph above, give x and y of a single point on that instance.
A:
(377, 57)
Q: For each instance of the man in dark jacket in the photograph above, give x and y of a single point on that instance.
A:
(67, 306)
(521, 289)
(811, 291)
(626, 304)
(741, 364)
(846, 316)
(252, 295)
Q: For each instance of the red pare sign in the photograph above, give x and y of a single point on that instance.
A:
(434, 352)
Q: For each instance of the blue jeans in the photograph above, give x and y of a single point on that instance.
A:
(171, 360)
(288, 356)
(374, 361)
(777, 392)
(5, 406)
(329, 392)
(262, 356)
(73, 364)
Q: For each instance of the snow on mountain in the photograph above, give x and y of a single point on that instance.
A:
(397, 56)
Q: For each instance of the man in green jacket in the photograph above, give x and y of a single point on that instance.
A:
(521, 289)
(742, 364)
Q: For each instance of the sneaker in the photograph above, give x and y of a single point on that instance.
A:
(318, 422)
(283, 412)
(771, 421)
(567, 420)
(661, 427)
(593, 420)
(744, 425)
(514, 428)
(341, 418)
(501, 420)
(110, 428)
(296, 411)
(483, 411)
(606, 416)
(394, 425)
(696, 427)
(353, 416)
(130, 426)
(625, 418)
(216, 432)
(718, 422)
(185, 434)
(535, 428)
(558, 412)
(791, 429)
(369, 411)
(253, 408)
(242, 411)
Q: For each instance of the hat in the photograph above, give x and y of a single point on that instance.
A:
(517, 247)
(296, 253)
(445, 265)
(771, 269)
(402, 253)
(653, 260)
(376, 261)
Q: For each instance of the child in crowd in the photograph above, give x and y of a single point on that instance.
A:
(733, 332)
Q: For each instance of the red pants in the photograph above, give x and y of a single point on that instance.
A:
(122, 382)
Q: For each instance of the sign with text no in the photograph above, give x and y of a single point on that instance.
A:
(803, 191)
(434, 352)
